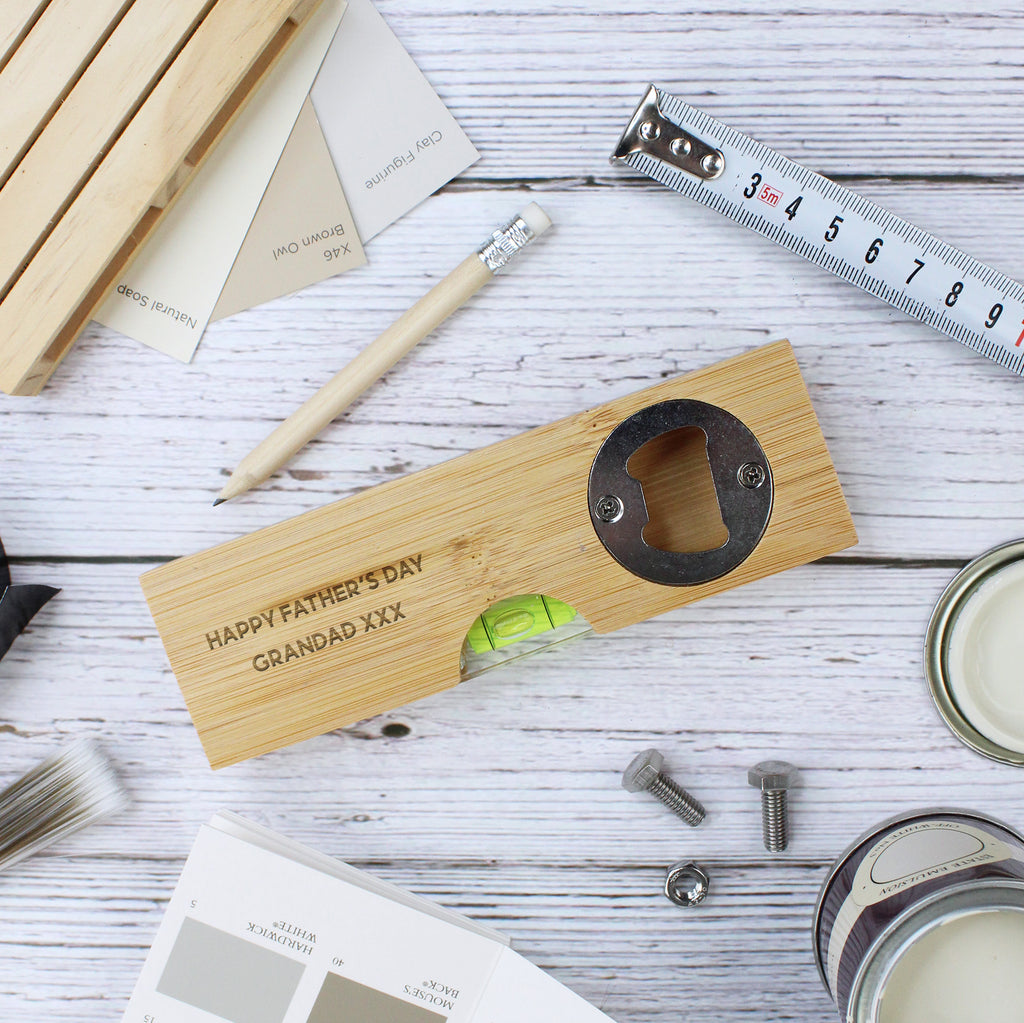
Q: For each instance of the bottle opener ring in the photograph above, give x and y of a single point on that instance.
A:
(743, 485)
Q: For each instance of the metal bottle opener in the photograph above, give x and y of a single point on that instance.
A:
(743, 484)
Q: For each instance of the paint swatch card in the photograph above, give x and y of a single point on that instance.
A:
(168, 294)
(249, 227)
(262, 930)
(390, 135)
(302, 232)
(305, 198)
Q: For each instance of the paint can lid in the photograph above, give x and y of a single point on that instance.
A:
(974, 654)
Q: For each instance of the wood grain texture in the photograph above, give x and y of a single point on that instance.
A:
(46, 66)
(922, 460)
(321, 408)
(119, 179)
(99, 99)
(16, 21)
(847, 89)
(501, 797)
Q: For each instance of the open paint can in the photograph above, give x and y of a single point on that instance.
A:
(922, 920)
(974, 654)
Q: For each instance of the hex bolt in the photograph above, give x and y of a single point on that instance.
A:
(774, 778)
(686, 883)
(644, 774)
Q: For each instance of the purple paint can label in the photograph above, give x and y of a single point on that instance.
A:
(901, 881)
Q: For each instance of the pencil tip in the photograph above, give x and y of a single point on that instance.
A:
(220, 500)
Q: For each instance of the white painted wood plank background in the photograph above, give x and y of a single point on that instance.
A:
(496, 802)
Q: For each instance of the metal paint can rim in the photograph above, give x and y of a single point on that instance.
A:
(884, 953)
(940, 626)
(901, 819)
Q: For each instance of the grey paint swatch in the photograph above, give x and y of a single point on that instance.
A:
(229, 976)
(344, 1001)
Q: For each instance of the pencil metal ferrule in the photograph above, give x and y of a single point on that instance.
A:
(503, 245)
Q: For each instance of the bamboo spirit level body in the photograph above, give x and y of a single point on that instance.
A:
(400, 572)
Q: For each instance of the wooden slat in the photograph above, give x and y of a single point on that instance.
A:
(959, 115)
(55, 296)
(821, 664)
(16, 21)
(87, 122)
(503, 799)
(603, 930)
(45, 67)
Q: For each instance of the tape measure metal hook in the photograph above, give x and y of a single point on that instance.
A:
(650, 131)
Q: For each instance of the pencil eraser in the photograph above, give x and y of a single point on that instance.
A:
(536, 219)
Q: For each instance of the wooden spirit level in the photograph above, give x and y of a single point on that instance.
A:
(652, 501)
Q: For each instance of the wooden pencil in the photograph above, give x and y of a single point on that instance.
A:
(375, 360)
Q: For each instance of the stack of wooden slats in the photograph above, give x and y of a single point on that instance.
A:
(107, 108)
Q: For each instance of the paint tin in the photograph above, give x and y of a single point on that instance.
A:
(974, 650)
(922, 919)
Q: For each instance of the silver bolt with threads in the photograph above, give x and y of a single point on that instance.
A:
(774, 778)
(644, 774)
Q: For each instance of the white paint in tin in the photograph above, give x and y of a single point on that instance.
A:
(967, 969)
(985, 658)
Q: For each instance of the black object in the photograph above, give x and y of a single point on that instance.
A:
(17, 604)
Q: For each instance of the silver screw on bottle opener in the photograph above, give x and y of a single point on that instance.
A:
(608, 508)
(644, 774)
(751, 475)
(774, 778)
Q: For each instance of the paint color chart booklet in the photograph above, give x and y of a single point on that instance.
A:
(264, 930)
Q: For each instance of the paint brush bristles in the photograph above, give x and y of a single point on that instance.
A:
(65, 792)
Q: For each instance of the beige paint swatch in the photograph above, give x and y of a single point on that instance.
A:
(386, 172)
(302, 232)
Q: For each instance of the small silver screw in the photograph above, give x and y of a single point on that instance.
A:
(713, 164)
(649, 131)
(608, 508)
(774, 778)
(751, 475)
(687, 883)
(680, 147)
(644, 774)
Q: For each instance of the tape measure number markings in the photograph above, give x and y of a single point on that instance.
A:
(842, 232)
